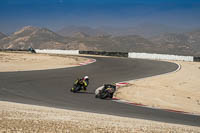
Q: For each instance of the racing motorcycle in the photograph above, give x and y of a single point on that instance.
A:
(105, 91)
(78, 86)
(32, 50)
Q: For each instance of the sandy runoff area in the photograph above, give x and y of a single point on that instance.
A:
(24, 61)
(20, 118)
(178, 90)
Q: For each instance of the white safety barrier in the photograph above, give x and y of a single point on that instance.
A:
(49, 51)
(160, 56)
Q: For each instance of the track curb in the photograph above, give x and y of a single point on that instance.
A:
(89, 61)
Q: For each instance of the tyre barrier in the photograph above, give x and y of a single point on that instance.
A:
(118, 54)
(196, 59)
(5, 50)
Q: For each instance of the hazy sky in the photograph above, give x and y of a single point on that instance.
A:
(56, 14)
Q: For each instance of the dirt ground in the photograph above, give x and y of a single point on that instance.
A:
(23, 61)
(20, 118)
(172, 90)
(178, 91)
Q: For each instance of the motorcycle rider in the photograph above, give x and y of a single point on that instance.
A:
(105, 88)
(31, 50)
(84, 81)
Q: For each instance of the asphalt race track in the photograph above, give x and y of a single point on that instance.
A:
(51, 88)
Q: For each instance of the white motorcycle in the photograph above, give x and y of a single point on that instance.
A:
(105, 91)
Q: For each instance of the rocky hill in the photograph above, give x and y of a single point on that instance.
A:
(32, 36)
(80, 35)
(187, 43)
(71, 30)
(2, 35)
(194, 41)
(44, 38)
(144, 29)
(41, 38)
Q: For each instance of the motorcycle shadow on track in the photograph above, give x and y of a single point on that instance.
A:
(106, 99)
(91, 93)
(86, 92)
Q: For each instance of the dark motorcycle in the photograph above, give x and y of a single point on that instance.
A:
(32, 50)
(78, 86)
(106, 91)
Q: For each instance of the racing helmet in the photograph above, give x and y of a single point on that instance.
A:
(86, 77)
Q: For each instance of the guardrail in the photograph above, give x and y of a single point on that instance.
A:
(118, 54)
(160, 56)
(49, 51)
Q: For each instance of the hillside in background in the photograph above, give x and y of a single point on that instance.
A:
(185, 43)
(2, 35)
(145, 30)
(32, 36)
(72, 30)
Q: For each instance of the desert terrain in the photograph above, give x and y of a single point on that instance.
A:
(178, 90)
(19, 118)
(27, 61)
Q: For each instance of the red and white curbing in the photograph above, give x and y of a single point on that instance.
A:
(89, 61)
(121, 84)
(124, 101)
(142, 105)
